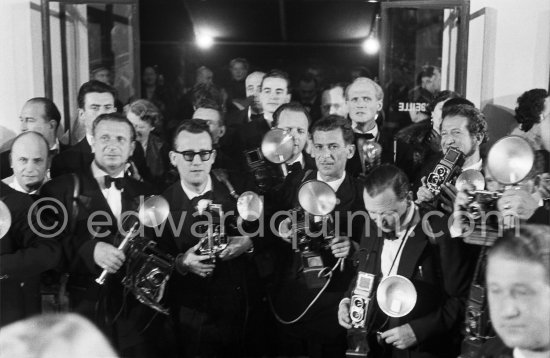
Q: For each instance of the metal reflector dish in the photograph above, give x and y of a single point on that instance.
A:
(396, 296)
(317, 197)
(5, 219)
(154, 211)
(470, 178)
(277, 146)
(510, 159)
(250, 206)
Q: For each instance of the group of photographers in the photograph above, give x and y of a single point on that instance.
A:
(289, 282)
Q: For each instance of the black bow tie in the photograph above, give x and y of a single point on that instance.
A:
(256, 117)
(119, 182)
(366, 136)
(295, 167)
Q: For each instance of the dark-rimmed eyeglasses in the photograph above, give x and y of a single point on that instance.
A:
(189, 155)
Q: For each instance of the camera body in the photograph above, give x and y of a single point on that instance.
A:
(360, 299)
(482, 201)
(445, 171)
(213, 239)
(477, 324)
(148, 272)
(310, 244)
(266, 175)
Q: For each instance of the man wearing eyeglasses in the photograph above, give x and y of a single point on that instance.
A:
(206, 297)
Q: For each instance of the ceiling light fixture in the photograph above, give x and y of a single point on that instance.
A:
(204, 41)
(371, 45)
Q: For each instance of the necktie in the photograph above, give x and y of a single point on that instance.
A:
(119, 182)
(366, 136)
(256, 117)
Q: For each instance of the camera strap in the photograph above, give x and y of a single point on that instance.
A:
(322, 273)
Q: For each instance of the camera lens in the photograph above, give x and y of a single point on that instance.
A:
(358, 303)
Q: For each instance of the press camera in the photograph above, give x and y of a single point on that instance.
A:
(311, 228)
(445, 171)
(147, 268)
(509, 162)
(276, 148)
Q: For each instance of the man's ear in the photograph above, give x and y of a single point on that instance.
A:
(351, 150)
(172, 156)
(379, 105)
(80, 113)
(288, 97)
(132, 147)
(222, 131)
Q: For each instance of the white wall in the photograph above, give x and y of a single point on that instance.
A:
(20, 66)
(520, 46)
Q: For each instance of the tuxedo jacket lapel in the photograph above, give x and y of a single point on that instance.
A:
(412, 251)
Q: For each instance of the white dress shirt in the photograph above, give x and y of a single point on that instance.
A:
(392, 249)
(335, 184)
(191, 194)
(111, 194)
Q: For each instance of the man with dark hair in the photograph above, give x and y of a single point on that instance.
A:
(206, 297)
(464, 128)
(333, 101)
(235, 87)
(315, 329)
(364, 99)
(518, 285)
(94, 98)
(103, 196)
(396, 243)
(39, 115)
(308, 95)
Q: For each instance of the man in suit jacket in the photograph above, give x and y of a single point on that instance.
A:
(438, 267)
(90, 236)
(253, 86)
(94, 98)
(23, 257)
(364, 99)
(39, 115)
(318, 329)
(206, 298)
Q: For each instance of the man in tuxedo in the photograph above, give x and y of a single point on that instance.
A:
(24, 255)
(364, 99)
(206, 297)
(39, 115)
(295, 119)
(253, 86)
(97, 199)
(464, 128)
(29, 161)
(399, 242)
(274, 92)
(317, 330)
(94, 98)
(308, 95)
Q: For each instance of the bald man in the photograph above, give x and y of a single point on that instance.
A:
(29, 161)
(253, 85)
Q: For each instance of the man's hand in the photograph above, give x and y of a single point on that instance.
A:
(401, 337)
(517, 202)
(448, 197)
(343, 313)
(340, 246)
(423, 195)
(236, 247)
(108, 257)
(193, 262)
